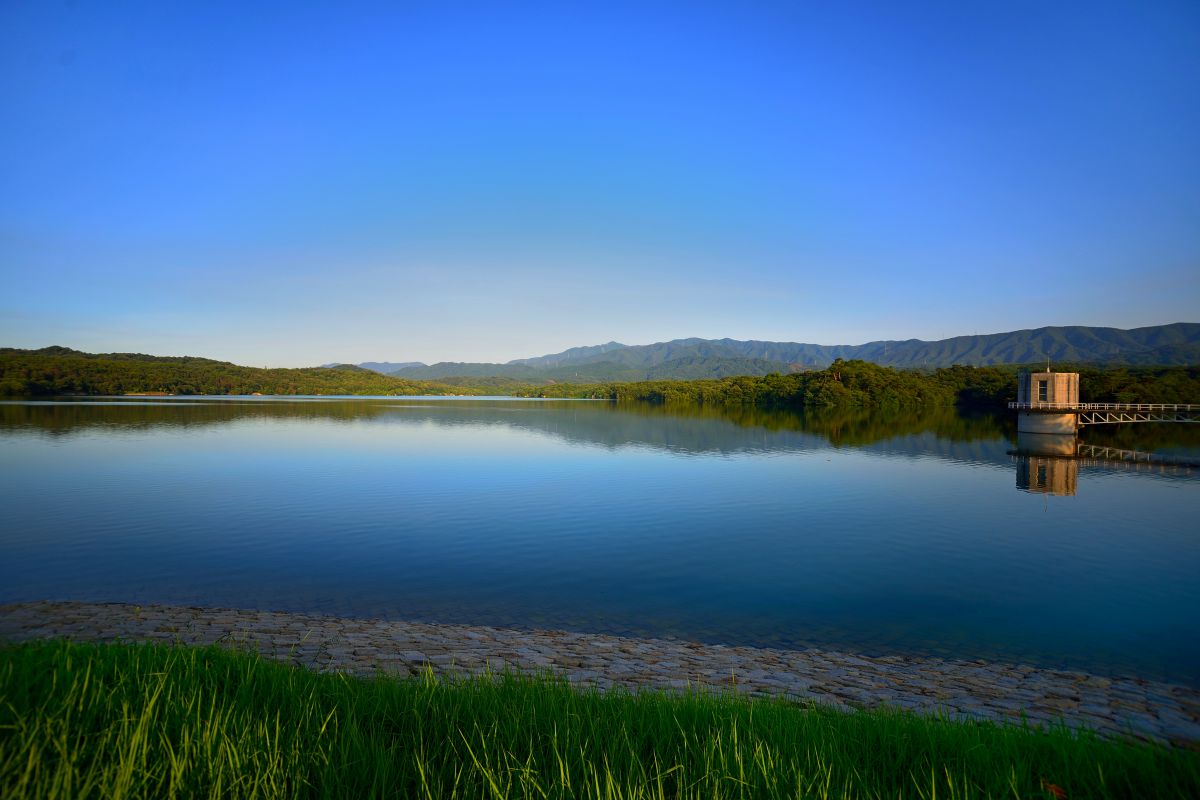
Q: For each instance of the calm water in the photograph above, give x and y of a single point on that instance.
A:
(874, 533)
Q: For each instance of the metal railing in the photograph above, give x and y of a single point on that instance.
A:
(1041, 406)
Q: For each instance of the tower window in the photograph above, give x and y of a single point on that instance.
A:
(1043, 391)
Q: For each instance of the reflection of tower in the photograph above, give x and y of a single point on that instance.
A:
(1047, 475)
(1046, 463)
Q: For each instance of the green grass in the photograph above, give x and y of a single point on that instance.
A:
(117, 721)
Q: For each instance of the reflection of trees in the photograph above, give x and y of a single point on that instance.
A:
(859, 427)
(848, 425)
(680, 428)
(1151, 436)
(68, 417)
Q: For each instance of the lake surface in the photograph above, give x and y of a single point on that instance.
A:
(869, 532)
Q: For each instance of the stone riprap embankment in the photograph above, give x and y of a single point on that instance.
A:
(1146, 709)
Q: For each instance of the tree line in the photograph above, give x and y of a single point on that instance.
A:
(59, 371)
(860, 383)
(32, 374)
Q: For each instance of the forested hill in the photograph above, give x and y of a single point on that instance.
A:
(682, 359)
(690, 367)
(859, 383)
(1174, 344)
(60, 370)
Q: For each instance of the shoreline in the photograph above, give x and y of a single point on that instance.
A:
(1145, 709)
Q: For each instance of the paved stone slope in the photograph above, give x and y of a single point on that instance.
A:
(1147, 709)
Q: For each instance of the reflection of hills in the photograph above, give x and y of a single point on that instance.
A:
(687, 430)
(67, 418)
(939, 433)
(602, 424)
(930, 444)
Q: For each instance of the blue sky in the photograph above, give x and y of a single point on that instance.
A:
(297, 183)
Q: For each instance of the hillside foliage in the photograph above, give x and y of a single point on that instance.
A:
(859, 383)
(687, 359)
(60, 371)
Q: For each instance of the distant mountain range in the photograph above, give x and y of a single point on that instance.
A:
(1174, 344)
(385, 367)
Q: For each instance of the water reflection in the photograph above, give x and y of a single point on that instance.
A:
(1043, 475)
(697, 430)
(1048, 463)
(861, 529)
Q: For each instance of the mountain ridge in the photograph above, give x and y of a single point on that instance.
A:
(1170, 344)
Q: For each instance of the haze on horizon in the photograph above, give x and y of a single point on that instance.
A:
(288, 185)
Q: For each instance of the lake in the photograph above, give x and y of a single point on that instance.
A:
(934, 534)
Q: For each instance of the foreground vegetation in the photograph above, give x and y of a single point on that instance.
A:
(153, 721)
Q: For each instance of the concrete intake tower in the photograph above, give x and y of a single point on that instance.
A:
(1049, 402)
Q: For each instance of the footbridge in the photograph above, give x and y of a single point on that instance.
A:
(1116, 413)
(1048, 402)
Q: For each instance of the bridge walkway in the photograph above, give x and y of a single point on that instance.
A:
(1115, 413)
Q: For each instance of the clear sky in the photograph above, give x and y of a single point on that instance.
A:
(297, 183)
